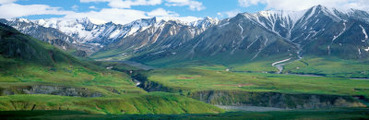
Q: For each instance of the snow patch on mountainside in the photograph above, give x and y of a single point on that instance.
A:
(367, 50)
(241, 32)
(115, 34)
(132, 31)
(359, 51)
(311, 13)
(222, 25)
(336, 36)
(292, 16)
(364, 32)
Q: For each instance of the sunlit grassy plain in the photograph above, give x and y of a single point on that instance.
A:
(200, 79)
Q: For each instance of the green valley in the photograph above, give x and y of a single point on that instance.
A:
(30, 67)
(312, 63)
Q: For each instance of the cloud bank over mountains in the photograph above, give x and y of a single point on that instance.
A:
(125, 11)
(119, 11)
(296, 5)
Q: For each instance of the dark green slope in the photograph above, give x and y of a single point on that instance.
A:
(37, 76)
(27, 64)
(19, 46)
(49, 35)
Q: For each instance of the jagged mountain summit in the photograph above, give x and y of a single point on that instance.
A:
(318, 26)
(90, 36)
(160, 37)
(247, 37)
(279, 35)
(85, 31)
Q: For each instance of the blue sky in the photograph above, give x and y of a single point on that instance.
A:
(124, 11)
(212, 7)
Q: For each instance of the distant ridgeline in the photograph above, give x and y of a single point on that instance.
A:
(266, 36)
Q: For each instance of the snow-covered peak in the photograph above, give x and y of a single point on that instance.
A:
(334, 10)
(331, 12)
(142, 22)
(53, 22)
(23, 20)
(82, 29)
(139, 25)
(97, 21)
(206, 20)
(294, 16)
(204, 23)
(337, 14)
(19, 20)
(181, 20)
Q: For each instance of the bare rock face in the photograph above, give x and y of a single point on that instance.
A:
(52, 90)
(273, 99)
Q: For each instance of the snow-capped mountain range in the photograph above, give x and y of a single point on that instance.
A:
(84, 30)
(290, 35)
(317, 31)
(89, 33)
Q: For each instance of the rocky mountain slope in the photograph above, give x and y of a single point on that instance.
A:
(160, 37)
(281, 36)
(89, 36)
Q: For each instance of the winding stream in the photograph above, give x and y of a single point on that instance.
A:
(279, 65)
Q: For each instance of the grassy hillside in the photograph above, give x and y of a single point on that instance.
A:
(199, 80)
(329, 66)
(153, 103)
(25, 61)
(38, 76)
(18, 46)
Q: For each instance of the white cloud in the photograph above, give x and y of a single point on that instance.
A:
(92, 7)
(247, 3)
(87, 1)
(228, 14)
(74, 7)
(7, 1)
(15, 10)
(305, 4)
(125, 3)
(124, 16)
(192, 4)
(116, 15)
(163, 14)
(160, 12)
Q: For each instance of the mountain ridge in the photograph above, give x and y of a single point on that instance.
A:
(317, 31)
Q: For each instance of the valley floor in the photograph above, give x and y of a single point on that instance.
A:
(326, 114)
